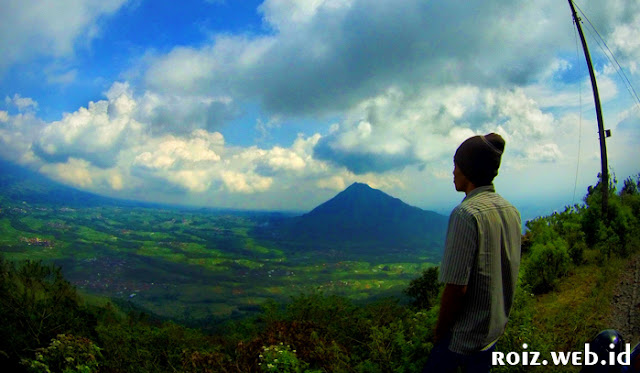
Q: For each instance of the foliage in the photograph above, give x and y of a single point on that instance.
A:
(282, 359)
(614, 231)
(206, 362)
(554, 244)
(37, 304)
(400, 346)
(547, 263)
(136, 342)
(425, 289)
(67, 354)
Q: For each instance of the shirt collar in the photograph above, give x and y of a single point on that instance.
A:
(478, 190)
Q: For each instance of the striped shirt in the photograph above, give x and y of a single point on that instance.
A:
(482, 251)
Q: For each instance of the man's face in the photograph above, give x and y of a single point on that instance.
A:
(459, 180)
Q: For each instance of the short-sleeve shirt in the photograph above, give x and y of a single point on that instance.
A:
(482, 251)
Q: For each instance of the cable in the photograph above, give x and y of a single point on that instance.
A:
(617, 66)
(575, 185)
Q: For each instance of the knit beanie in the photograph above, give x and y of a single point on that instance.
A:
(478, 158)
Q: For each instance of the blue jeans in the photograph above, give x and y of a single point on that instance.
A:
(444, 360)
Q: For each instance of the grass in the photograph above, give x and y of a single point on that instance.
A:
(9, 234)
(580, 307)
(566, 318)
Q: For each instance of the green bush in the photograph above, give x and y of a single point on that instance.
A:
(547, 263)
(425, 289)
(36, 305)
(280, 358)
(613, 232)
(67, 354)
(399, 346)
(134, 345)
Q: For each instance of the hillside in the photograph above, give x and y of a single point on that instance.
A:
(369, 219)
(23, 185)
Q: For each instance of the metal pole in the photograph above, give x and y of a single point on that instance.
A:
(604, 182)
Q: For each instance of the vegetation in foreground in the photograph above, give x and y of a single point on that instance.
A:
(571, 262)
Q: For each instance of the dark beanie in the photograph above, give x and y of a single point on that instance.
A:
(478, 158)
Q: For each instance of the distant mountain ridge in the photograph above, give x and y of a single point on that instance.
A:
(371, 218)
(360, 218)
(21, 184)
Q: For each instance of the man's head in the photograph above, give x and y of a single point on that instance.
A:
(478, 158)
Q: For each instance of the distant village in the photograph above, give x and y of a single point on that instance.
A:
(36, 241)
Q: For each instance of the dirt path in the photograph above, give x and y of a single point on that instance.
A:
(625, 317)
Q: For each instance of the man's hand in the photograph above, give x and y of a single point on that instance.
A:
(450, 306)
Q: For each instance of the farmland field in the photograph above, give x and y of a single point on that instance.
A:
(194, 265)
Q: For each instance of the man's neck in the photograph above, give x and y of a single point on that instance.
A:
(470, 187)
(478, 189)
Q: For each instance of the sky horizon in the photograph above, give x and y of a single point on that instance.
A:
(281, 104)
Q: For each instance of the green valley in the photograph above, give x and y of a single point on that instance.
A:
(191, 265)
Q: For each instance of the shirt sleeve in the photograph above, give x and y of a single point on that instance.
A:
(460, 248)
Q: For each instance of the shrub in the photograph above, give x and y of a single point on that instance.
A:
(66, 353)
(547, 263)
(425, 289)
(613, 232)
(399, 346)
(206, 362)
(36, 305)
(282, 359)
(134, 345)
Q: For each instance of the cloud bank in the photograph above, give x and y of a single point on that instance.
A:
(395, 86)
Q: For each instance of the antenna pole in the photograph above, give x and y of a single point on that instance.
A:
(604, 182)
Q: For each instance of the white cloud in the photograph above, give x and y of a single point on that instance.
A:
(75, 172)
(192, 180)
(181, 114)
(329, 55)
(95, 133)
(245, 183)
(626, 41)
(33, 28)
(543, 152)
(284, 159)
(22, 103)
(291, 15)
(520, 116)
(335, 183)
(62, 77)
(394, 131)
(4, 116)
(619, 23)
(17, 134)
(170, 152)
(112, 146)
(116, 181)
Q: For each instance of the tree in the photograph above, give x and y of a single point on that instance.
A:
(547, 263)
(36, 304)
(425, 289)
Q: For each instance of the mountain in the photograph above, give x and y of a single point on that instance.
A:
(360, 219)
(23, 185)
(364, 218)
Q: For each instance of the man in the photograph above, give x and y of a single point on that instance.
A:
(480, 263)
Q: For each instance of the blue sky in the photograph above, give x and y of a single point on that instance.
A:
(281, 104)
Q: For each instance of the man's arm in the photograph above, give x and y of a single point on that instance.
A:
(450, 306)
